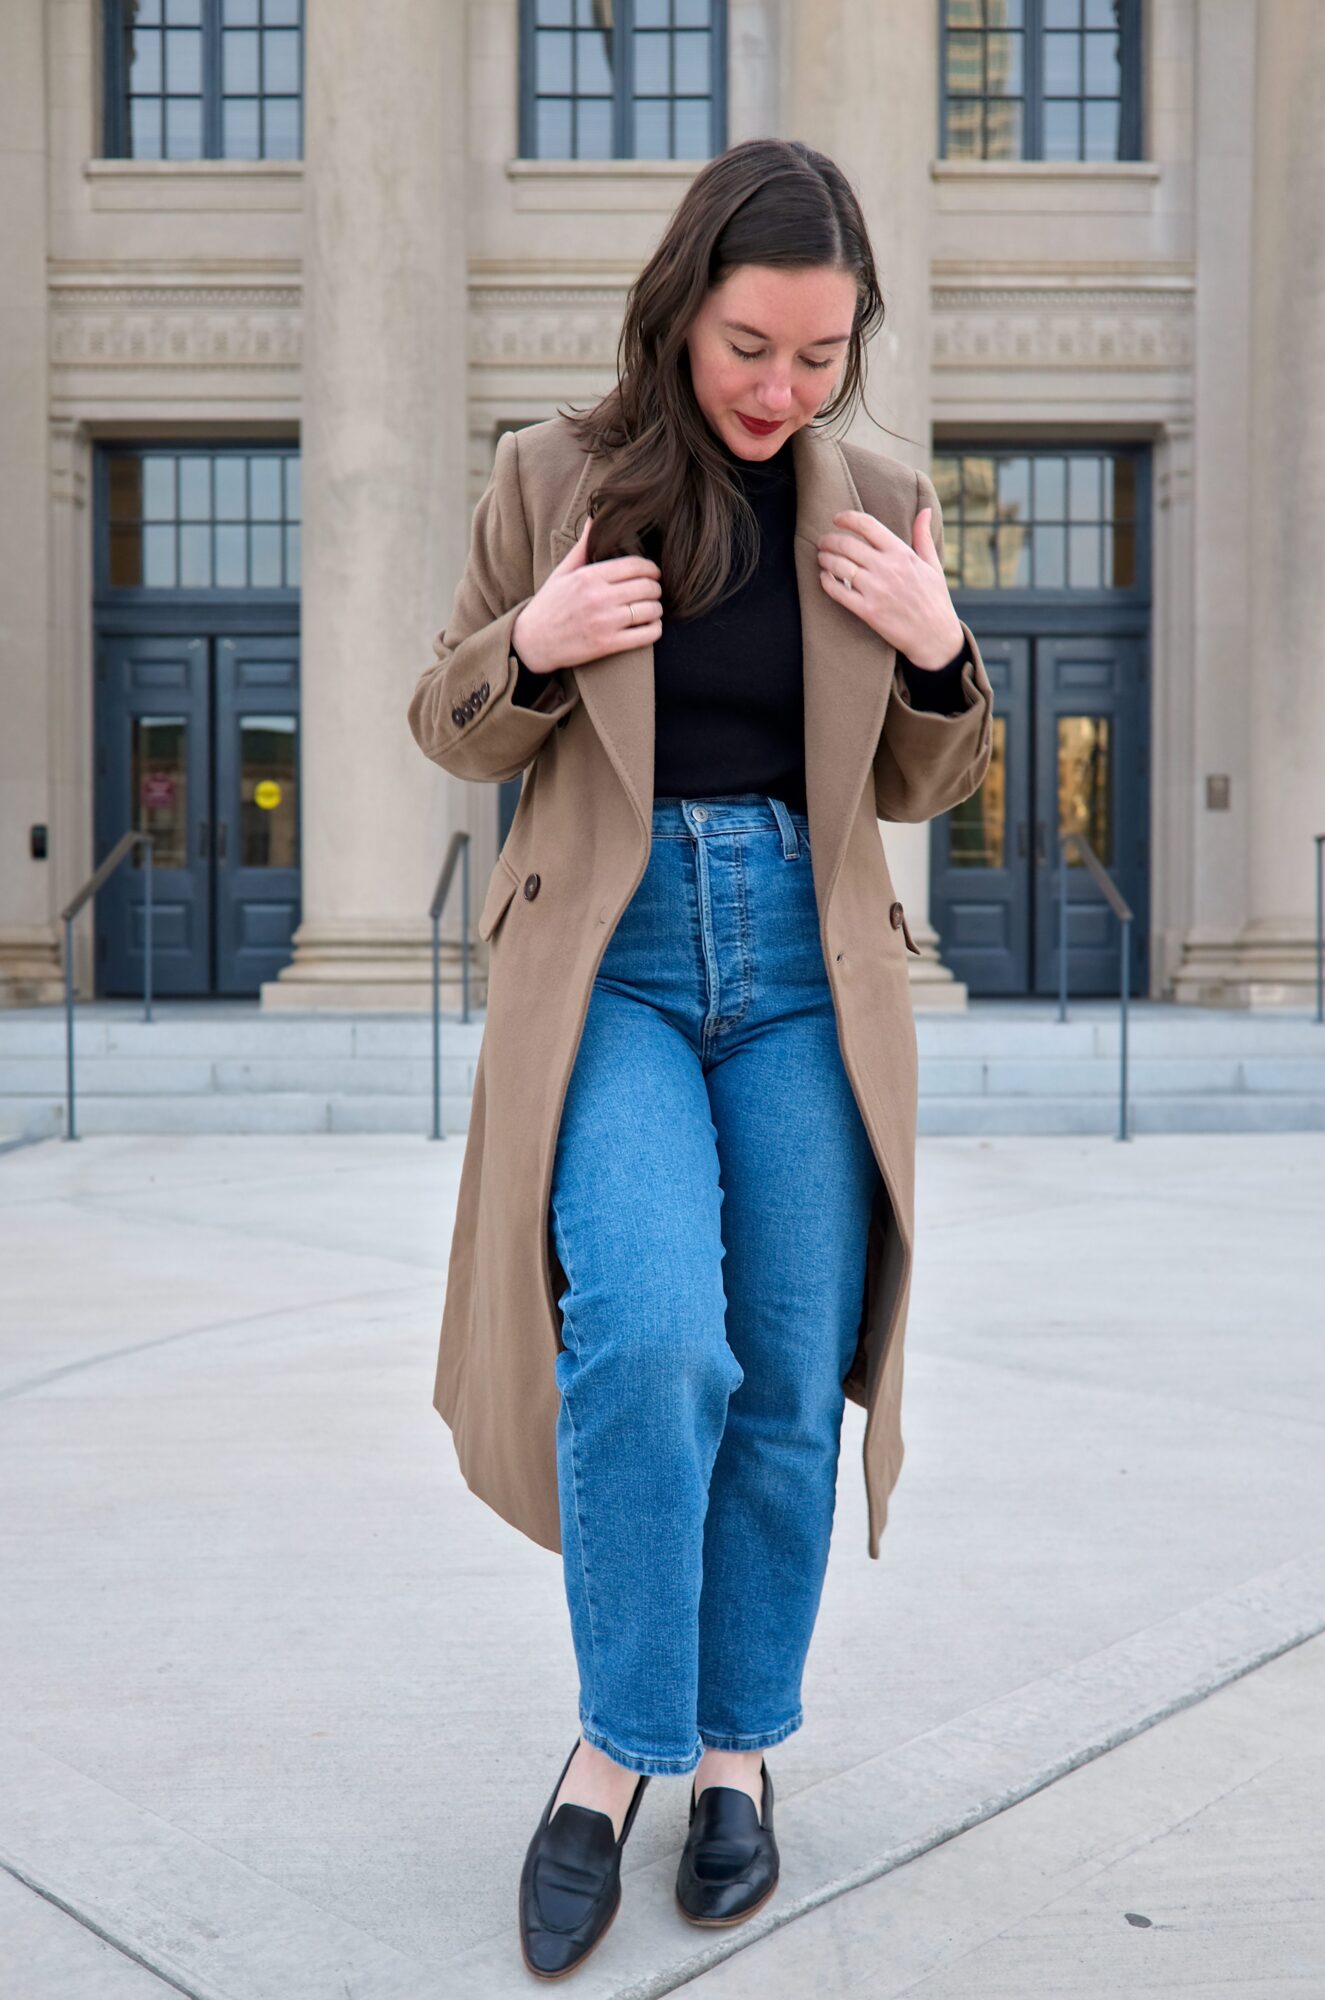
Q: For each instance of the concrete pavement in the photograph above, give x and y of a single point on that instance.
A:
(280, 1701)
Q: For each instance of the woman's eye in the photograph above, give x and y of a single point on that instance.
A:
(745, 356)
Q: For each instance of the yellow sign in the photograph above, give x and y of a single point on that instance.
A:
(267, 794)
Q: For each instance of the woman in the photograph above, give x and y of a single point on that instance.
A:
(696, 1092)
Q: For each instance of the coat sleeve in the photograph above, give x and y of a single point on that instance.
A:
(462, 713)
(927, 762)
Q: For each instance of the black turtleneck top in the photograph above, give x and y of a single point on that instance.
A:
(728, 688)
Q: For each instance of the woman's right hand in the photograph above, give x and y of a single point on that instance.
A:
(582, 611)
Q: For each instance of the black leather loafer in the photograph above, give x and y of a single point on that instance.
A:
(729, 1864)
(570, 1885)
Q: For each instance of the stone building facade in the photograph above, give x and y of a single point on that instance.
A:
(275, 281)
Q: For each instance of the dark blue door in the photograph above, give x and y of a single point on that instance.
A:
(1069, 754)
(197, 743)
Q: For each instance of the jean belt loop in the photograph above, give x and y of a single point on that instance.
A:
(790, 843)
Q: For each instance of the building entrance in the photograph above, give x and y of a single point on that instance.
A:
(1048, 556)
(198, 745)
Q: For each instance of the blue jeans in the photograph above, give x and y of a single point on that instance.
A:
(711, 1198)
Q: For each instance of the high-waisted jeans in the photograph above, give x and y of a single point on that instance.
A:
(711, 1200)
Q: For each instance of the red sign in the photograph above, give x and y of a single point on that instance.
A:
(158, 791)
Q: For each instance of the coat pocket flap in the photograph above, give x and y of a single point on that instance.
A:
(501, 888)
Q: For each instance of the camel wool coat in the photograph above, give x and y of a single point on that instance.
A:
(576, 850)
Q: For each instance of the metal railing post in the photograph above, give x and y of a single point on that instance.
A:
(124, 845)
(1320, 927)
(1062, 928)
(457, 849)
(69, 1132)
(436, 1024)
(147, 932)
(1126, 929)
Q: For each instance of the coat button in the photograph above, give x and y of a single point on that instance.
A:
(483, 691)
(895, 916)
(531, 887)
(458, 716)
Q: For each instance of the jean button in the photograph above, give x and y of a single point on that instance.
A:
(699, 812)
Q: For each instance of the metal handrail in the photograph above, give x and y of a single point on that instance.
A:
(1319, 839)
(457, 849)
(1122, 910)
(123, 845)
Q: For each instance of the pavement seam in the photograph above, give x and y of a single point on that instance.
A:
(96, 1930)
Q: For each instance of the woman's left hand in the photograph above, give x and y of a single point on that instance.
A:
(901, 593)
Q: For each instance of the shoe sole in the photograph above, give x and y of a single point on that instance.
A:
(714, 1923)
(566, 1970)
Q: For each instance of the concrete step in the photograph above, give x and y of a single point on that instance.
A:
(998, 1067)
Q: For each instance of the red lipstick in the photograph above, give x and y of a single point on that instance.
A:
(757, 428)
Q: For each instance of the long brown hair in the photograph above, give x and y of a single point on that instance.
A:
(764, 201)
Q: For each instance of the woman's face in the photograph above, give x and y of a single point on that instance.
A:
(769, 345)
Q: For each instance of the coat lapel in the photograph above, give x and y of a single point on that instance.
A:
(848, 669)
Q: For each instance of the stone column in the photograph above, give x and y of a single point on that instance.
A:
(30, 972)
(1278, 713)
(386, 510)
(883, 135)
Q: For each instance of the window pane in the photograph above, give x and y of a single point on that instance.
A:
(1103, 131)
(183, 128)
(965, 63)
(280, 58)
(1085, 558)
(239, 129)
(1050, 489)
(652, 68)
(594, 75)
(195, 483)
(694, 128)
(231, 496)
(552, 129)
(232, 557)
(651, 130)
(1003, 58)
(268, 795)
(240, 57)
(692, 64)
(1004, 129)
(159, 558)
(264, 489)
(976, 826)
(593, 123)
(280, 120)
(1062, 64)
(1084, 783)
(1050, 558)
(1103, 66)
(145, 128)
(1083, 488)
(265, 557)
(159, 788)
(183, 60)
(553, 61)
(145, 62)
(158, 488)
(195, 558)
